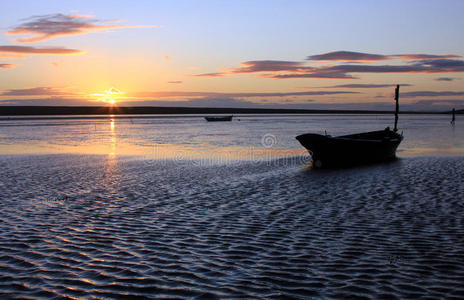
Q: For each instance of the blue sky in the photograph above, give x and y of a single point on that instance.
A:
(159, 49)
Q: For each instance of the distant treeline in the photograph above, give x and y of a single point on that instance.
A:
(139, 110)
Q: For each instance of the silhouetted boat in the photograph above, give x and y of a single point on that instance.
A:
(217, 119)
(352, 149)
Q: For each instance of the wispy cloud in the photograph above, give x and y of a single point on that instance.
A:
(68, 92)
(321, 73)
(36, 91)
(347, 70)
(11, 56)
(444, 79)
(431, 94)
(365, 86)
(424, 56)
(346, 64)
(422, 105)
(49, 101)
(175, 81)
(235, 95)
(217, 74)
(348, 55)
(45, 27)
(7, 66)
(359, 56)
(19, 50)
(269, 66)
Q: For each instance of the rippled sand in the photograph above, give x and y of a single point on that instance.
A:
(99, 226)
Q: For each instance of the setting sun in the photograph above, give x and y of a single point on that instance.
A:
(110, 95)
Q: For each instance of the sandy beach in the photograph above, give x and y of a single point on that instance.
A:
(108, 226)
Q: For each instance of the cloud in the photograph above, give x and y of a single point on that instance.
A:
(358, 56)
(175, 81)
(411, 63)
(36, 91)
(49, 102)
(292, 69)
(258, 66)
(365, 86)
(12, 56)
(440, 102)
(444, 79)
(235, 95)
(269, 66)
(7, 66)
(348, 55)
(19, 50)
(219, 102)
(45, 27)
(218, 74)
(443, 65)
(424, 56)
(346, 70)
(322, 74)
(376, 68)
(65, 92)
(422, 105)
(431, 94)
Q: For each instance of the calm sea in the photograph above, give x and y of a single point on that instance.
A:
(173, 207)
(191, 137)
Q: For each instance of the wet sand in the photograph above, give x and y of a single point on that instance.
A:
(108, 226)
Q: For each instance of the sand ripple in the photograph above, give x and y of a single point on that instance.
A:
(96, 226)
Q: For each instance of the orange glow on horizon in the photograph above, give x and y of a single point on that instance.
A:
(110, 95)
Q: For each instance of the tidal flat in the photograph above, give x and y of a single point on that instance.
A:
(123, 227)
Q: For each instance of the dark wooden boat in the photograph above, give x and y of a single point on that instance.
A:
(353, 149)
(218, 119)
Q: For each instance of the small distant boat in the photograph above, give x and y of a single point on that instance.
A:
(218, 119)
(347, 150)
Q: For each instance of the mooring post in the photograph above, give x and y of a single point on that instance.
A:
(397, 107)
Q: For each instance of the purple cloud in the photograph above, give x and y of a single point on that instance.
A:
(345, 71)
(35, 91)
(320, 74)
(424, 56)
(270, 66)
(348, 55)
(365, 86)
(280, 69)
(358, 56)
(444, 79)
(42, 28)
(431, 94)
(236, 95)
(443, 65)
(218, 74)
(38, 50)
(7, 66)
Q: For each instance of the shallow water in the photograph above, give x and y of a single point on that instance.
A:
(247, 137)
(105, 226)
(241, 221)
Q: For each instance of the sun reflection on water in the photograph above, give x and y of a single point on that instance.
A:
(113, 138)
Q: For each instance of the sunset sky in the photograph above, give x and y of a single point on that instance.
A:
(292, 54)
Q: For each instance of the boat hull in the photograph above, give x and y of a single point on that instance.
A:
(218, 119)
(362, 148)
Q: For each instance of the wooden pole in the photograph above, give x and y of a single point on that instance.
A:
(397, 107)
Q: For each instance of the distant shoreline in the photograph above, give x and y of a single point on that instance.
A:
(151, 110)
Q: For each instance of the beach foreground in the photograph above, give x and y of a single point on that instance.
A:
(109, 226)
